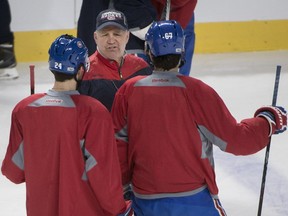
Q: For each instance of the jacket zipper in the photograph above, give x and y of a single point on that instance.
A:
(119, 68)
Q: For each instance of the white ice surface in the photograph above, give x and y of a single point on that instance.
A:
(245, 81)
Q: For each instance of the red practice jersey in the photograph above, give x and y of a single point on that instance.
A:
(62, 145)
(166, 125)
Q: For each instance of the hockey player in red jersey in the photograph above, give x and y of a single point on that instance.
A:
(62, 144)
(166, 125)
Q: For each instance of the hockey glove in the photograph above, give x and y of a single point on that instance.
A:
(276, 117)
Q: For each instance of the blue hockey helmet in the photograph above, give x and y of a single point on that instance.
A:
(165, 37)
(67, 54)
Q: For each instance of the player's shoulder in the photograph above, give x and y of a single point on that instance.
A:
(135, 79)
(131, 83)
(28, 100)
(196, 85)
(190, 79)
(22, 104)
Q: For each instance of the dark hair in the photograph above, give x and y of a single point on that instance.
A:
(166, 62)
(61, 77)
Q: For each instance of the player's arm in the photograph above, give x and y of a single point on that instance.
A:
(119, 116)
(102, 163)
(217, 123)
(13, 163)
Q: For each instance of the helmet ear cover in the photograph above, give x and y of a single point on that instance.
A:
(67, 54)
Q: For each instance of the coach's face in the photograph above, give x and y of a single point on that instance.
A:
(111, 42)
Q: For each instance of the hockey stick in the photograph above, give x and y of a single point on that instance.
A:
(32, 80)
(274, 100)
(166, 11)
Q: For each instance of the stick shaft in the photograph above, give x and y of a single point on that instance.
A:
(32, 79)
(166, 10)
(168, 6)
(274, 100)
(276, 85)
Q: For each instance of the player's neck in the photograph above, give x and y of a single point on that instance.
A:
(171, 70)
(68, 85)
